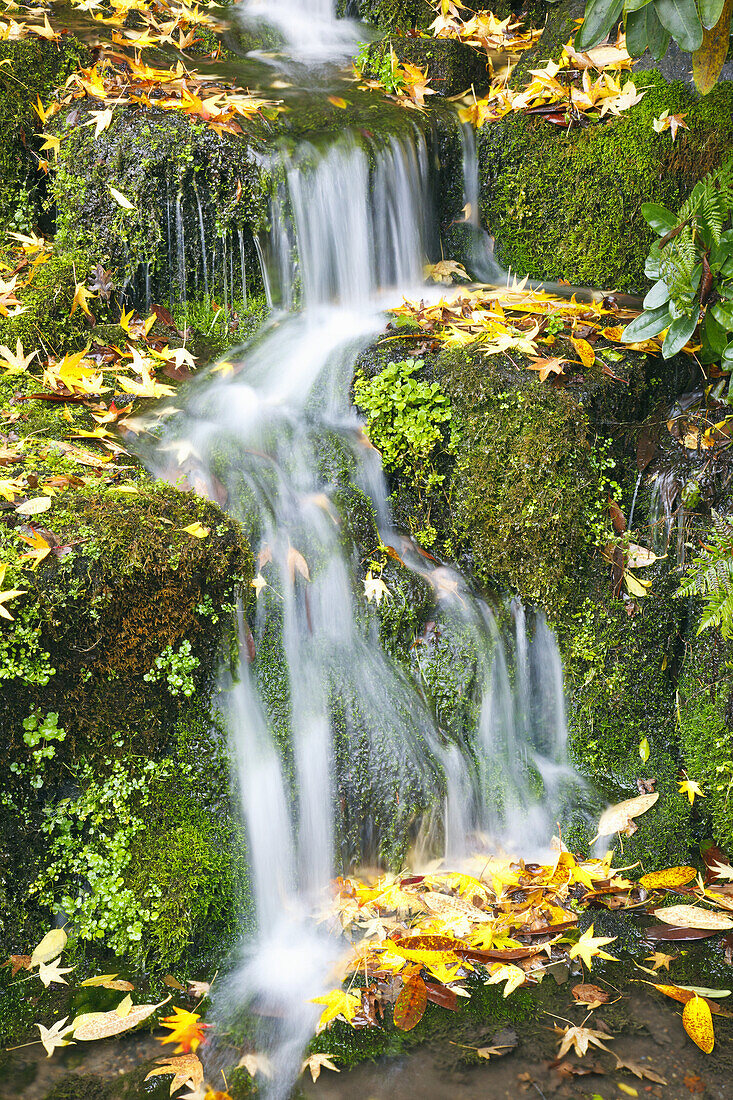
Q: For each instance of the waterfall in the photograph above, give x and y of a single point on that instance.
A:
(310, 27)
(331, 735)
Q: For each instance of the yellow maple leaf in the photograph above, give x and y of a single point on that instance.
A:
(691, 789)
(589, 947)
(337, 1003)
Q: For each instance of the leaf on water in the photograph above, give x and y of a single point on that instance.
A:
(337, 101)
(669, 878)
(579, 1038)
(316, 1062)
(101, 1025)
(620, 818)
(411, 1003)
(55, 1036)
(590, 995)
(698, 1023)
(642, 1072)
(50, 946)
(691, 916)
(186, 1069)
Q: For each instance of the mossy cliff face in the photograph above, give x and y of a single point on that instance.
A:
(29, 69)
(566, 203)
(186, 185)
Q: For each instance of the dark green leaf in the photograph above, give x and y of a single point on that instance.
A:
(636, 36)
(658, 217)
(657, 296)
(647, 324)
(726, 360)
(679, 333)
(635, 5)
(658, 36)
(682, 21)
(600, 17)
(723, 314)
(714, 336)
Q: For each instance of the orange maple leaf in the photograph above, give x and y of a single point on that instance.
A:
(185, 1030)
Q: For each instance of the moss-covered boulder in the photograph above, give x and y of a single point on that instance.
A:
(30, 70)
(389, 15)
(197, 200)
(451, 66)
(565, 202)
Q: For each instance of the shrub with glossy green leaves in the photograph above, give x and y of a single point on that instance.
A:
(692, 265)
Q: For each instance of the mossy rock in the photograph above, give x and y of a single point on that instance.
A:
(133, 583)
(452, 67)
(566, 203)
(389, 15)
(527, 484)
(186, 185)
(621, 661)
(30, 69)
(706, 736)
(46, 323)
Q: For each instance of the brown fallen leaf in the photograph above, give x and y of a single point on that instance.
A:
(16, 963)
(590, 995)
(579, 1038)
(101, 1025)
(315, 1063)
(620, 818)
(642, 1072)
(186, 1069)
(297, 564)
(546, 367)
(692, 916)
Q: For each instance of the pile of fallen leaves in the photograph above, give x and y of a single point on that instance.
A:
(514, 317)
(120, 79)
(429, 938)
(563, 92)
(482, 29)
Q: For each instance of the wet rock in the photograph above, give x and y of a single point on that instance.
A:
(452, 67)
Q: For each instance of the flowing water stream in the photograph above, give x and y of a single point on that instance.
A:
(342, 752)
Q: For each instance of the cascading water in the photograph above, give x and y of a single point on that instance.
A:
(309, 27)
(334, 741)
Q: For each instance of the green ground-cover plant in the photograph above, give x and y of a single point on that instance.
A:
(692, 263)
(408, 422)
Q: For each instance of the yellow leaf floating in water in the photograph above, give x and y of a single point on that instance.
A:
(698, 1023)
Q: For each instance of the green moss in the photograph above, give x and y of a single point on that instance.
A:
(46, 323)
(567, 203)
(29, 69)
(706, 739)
(527, 487)
(163, 163)
(390, 15)
(620, 666)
